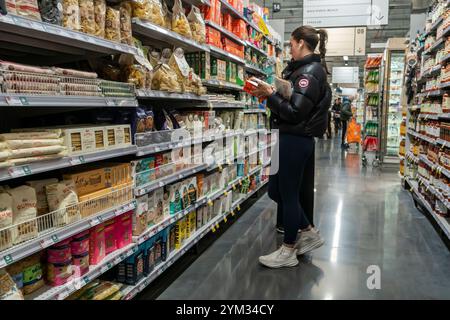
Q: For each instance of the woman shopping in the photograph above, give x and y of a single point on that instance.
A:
(299, 120)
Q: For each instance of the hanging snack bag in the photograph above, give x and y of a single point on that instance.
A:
(51, 11)
(197, 24)
(28, 9)
(112, 24)
(180, 23)
(87, 16)
(179, 64)
(100, 16)
(126, 11)
(71, 16)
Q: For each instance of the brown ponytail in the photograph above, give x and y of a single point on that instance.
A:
(312, 39)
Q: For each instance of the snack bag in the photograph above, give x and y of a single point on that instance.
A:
(179, 64)
(180, 23)
(156, 14)
(167, 15)
(112, 26)
(197, 25)
(100, 16)
(141, 9)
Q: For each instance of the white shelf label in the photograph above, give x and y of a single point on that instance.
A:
(77, 160)
(19, 171)
(13, 101)
(95, 221)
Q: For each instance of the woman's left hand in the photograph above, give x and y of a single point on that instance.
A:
(263, 90)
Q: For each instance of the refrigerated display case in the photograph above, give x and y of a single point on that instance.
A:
(391, 115)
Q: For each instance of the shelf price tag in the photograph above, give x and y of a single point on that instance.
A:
(213, 229)
(232, 213)
(95, 221)
(217, 225)
(225, 219)
(77, 160)
(19, 171)
(238, 207)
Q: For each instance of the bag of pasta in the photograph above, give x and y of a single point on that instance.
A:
(141, 9)
(165, 79)
(154, 57)
(100, 16)
(180, 23)
(71, 17)
(167, 15)
(28, 9)
(156, 15)
(197, 24)
(112, 25)
(179, 64)
(136, 74)
(196, 83)
(126, 12)
(87, 16)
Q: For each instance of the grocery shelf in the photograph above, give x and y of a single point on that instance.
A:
(228, 8)
(254, 70)
(424, 159)
(141, 190)
(64, 101)
(226, 32)
(259, 50)
(436, 24)
(432, 93)
(222, 85)
(63, 291)
(58, 234)
(445, 85)
(49, 165)
(255, 110)
(429, 116)
(131, 291)
(155, 94)
(445, 58)
(433, 71)
(446, 32)
(410, 155)
(421, 136)
(444, 116)
(225, 104)
(435, 46)
(226, 55)
(153, 32)
(45, 39)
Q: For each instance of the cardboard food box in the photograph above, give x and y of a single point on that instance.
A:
(118, 174)
(199, 217)
(143, 171)
(80, 140)
(152, 216)
(192, 222)
(221, 70)
(88, 181)
(176, 197)
(159, 204)
(140, 217)
(97, 246)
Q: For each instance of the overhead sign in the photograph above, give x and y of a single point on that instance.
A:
(345, 13)
(346, 42)
(345, 75)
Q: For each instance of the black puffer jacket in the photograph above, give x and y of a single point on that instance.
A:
(306, 113)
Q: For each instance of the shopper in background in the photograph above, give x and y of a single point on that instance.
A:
(298, 119)
(346, 114)
(337, 115)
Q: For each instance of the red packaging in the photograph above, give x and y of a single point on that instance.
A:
(159, 161)
(217, 12)
(239, 28)
(208, 11)
(97, 251)
(227, 22)
(213, 37)
(80, 264)
(124, 229)
(59, 253)
(80, 243)
(110, 236)
(239, 5)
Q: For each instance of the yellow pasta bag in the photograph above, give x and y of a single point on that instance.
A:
(141, 9)
(87, 16)
(197, 24)
(179, 64)
(180, 23)
(125, 23)
(100, 16)
(165, 79)
(112, 27)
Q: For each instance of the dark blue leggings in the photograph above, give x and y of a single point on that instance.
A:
(284, 186)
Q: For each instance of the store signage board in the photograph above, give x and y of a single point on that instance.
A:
(346, 42)
(345, 75)
(345, 13)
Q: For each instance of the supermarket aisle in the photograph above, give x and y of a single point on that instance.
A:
(365, 218)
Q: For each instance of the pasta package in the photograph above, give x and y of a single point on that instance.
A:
(51, 11)
(141, 9)
(28, 9)
(6, 220)
(100, 16)
(11, 7)
(136, 75)
(87, 16)
(179, 64)
(180, 23)
(71, 14)
(112, 26)
(41, 196)
(165, 79)
(156, 14)
(24, 211)
(197, 24)
(167, 15)
(126, 11)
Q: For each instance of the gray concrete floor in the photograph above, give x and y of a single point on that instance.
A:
(366, 219)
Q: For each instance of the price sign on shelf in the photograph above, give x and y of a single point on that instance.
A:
(77, 160)
(44, 243)
(94, 222)
(19, 171)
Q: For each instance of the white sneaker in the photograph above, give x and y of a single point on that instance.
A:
(283, 257)
(309, 240)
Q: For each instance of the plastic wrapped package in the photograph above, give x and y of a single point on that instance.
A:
(156, 14)
(28, 9)
(8, 288)
(100, 15)
(51, 11)
(166, 54)
(87, 16)
(179, 64)
(71, 16)
(142, 9)
(136, 75)
(11, 6)
(111, 72)
(180, 23)
(126, 11)
(154, 57)
(112, 24)
(148, 79)
(197, 84)
(197, 24)
(165, 79)
(167, 15)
